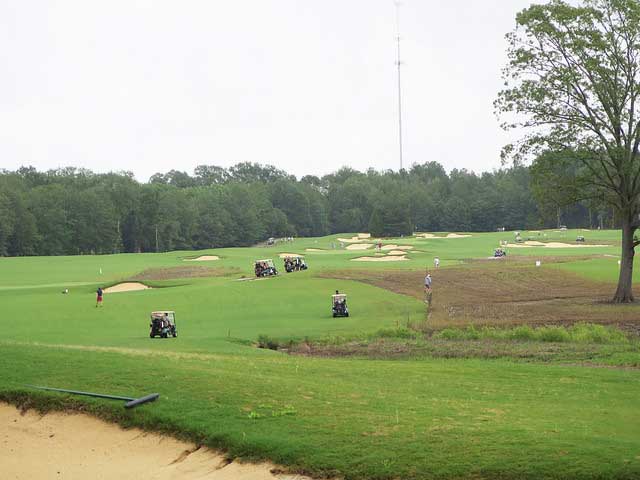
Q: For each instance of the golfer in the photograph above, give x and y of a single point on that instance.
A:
(436, 262)
(99, 297)
(427, 282)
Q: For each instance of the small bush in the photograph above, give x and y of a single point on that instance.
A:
(264, 341)
(591, 333)
(553, 334)
(395, 333)
(523, 333)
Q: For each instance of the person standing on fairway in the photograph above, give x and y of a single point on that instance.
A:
(436, 262)
(99, 293)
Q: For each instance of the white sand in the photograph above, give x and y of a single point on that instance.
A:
(285, 255)
(360, 246)
(203, 258)
(425, 235)
(127, 287)
(450, 235)
(396, 247)
(380, 259)
(70, 446)
(396, 252)
(553, 245)
(350, 240)
(364, 235)
(313, 250)
(457, 235)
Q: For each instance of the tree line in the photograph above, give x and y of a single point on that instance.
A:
(72, 211)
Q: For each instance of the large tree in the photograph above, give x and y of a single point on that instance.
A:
(573, 82)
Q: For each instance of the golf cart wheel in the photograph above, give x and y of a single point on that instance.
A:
(151, 335)
(164, 335)
(335, 315)
(346, 314)
(175, 334)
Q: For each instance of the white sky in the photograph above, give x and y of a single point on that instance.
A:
(305, 85)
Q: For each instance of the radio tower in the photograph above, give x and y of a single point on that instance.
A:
(398, 64)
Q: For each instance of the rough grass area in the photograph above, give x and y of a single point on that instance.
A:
(587, 344)
(187, 271)
(490, 293)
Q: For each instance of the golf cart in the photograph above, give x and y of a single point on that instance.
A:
(163, 324)
(339, 305)
(265, 268)
(580, 239)
(294, 264)
(499, 253)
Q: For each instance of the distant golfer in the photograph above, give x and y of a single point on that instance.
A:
(436, 262)
(99, 293)
(427, 282)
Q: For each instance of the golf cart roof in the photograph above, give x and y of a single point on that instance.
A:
(295, 256)
(339, 296)
(163, 312)
(268, 260)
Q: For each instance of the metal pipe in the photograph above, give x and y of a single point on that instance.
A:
(131, 402)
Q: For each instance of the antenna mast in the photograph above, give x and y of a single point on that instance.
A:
(398, 64)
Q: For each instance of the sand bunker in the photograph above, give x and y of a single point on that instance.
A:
(60, 445)
(285, 255)
(450, 235)
(203, 258)
(457, 235)
(380, 259)
(396, 247)
(364, 235)
(314, 250)
(360, 246)
(532, 244)
(127, 287)
(350, 240)
(396, 252)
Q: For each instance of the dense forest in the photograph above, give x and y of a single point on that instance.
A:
(73, 211)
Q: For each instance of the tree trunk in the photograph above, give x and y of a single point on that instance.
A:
(624, 293)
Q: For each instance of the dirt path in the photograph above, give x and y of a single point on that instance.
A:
(70, 446)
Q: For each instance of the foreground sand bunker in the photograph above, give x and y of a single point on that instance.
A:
(203, 258)
(67, 446)
(127, 287)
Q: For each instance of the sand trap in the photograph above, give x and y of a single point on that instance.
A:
(127, 287)
(66, 446)
(380, 259)
(285, 255)
(450, 235)
(350, 240)
(396, 252)
(360, 246)
(203, 258)
(314, 250)
(396, 247)
(457, 235)
(532, 244)
(364, 235)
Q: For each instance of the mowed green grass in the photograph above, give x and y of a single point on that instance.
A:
(421, 418)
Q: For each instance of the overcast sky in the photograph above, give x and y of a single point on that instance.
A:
(305, 85)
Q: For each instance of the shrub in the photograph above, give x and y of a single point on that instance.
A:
(553, 334)
(264, 341)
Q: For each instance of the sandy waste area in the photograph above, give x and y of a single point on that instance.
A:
(203, 258)
(76, 446)
(127, 287)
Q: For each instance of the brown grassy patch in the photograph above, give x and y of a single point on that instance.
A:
(505, 294)
(187, 271)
